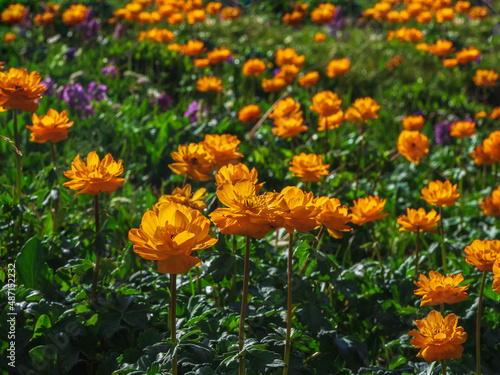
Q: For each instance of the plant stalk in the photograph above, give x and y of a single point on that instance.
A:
(443, 249)
(478, 325)
(244, 302)
(95, 277)
(416, 253)
(173, 333)
(443, 366)
(377, 248)
(288, 342)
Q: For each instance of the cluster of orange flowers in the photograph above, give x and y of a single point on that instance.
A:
(443, 48)
(405, 34)
(13, 14)
(485, 78)
(488, 152)
(288, 120)
(75, 15)
(47, 18)
(322, 14)
(157, 35)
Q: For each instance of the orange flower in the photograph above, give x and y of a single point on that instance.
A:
(462, 7)
(196, 15)
(274, 84)
(309, 79)
(201, 63)
(175, 19)
(285, 109)
(485, 78)
(9, 38)
(479, 13)
(449, 63)
(406, 35)
(482, 254)
(481, 114)
(491, 144)
(423, 47)
(441, 48)
(418, 220)
(254, 67)
(366, 109)
(439, 338)
(333, 216)
(213, 8)
(414, 122)
(298, 210)
(249, 113)
(205, 84)
(193, 160)
(19, 90)
(338, 67)
(496, 275)
(319, 37)
(176, 47)
(424, 17)
(439, 289)
(467, 55)
(233, 173)
(95, 176)
(444, 14)
(439, 193)
(308, 167)
(288, 56)
(495, 113)
(491, 205)
(323, 14)
(45, 19)
(413, 145)
(53, 127)
(14, 14)
(367, 209)
(218, 55)
(394, 62)
(157, 35)
(169, 234)
(248, 214)
(292, 19)
(193, 48)
(301, 7)
(183, 196)
(334, 121)
(290, 127)
(224, 148)
(230, 13)
(326, 103)
(288, 73)
(462, 129)
(75, 15)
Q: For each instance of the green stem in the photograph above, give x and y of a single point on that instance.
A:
(19, 175)
(461, 187)
(233, 277)
(478, 326)
(244, 302)
(173, 308)
(443, 249)
(288, 343)
(416, 254)
(319, 239)
(443, 366)
(95, 277)
(377, 248)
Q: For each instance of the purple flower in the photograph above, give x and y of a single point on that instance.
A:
(337, 23)
(70, 54)
(163, 101)
(97, 91)
(118, 33)
(442, 132)
(49, 83)
(90, 27)
(75, 96)
(192, 111)
(110, 70)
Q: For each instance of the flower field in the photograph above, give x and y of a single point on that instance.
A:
(250, 187)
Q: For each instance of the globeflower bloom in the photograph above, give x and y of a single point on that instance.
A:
(333, 215)
(438, 289)
(442, 47)
(482, 254)
(485, 78)
(367, 209)
(19, 90)
(9, 38)
(467, 55)
(414, 123)
(366, 108)
(169, 234)
(230, 13)
(249, 113)
(413, 145)
(326, 103)
(193, 48)
(309, 80)
(480, 157)
(332, 122)
(53, 127)
(439, 193)
(418, 220)
(254, 67)
(233, 173)
(323, 14)
(463, 129)
(13, 14)
(213, 8)
(298, 210)
(193, 160)
(290, 127)
(183, 196)
(319, 37)
(224, 148)
(288, 56)
(292, 19)
(491, 144)
(96, 176)
(308, 167)
(218, 55)
(248, 214)
(496, 275)
(439, 338)
(338, 67)
(491, 205)
(75, 15)
(274, 84)
(479, 13)
(212, 84)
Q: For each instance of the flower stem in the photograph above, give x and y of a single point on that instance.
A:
(53, 155)
(443, 249)
(233, 277)
(416, 253)
(244, 301)
(288, 343)
(461, 184)
(173, 334)
(478, 325)
(377, 248)
(95, 277)
(18, 160)
(443, 366)
(495, 174)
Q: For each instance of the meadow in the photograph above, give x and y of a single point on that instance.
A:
(249, 187)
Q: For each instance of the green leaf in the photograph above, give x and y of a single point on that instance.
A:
(42, 325)
(32, 271)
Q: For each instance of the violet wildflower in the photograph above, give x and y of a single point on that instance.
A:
(163, 101)
(97, 91)
(49, 83)
(442, 132)
(110, 70)
(192, 111)
(70, 54)
(75, 96)
(90, 27)
(118, 33)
